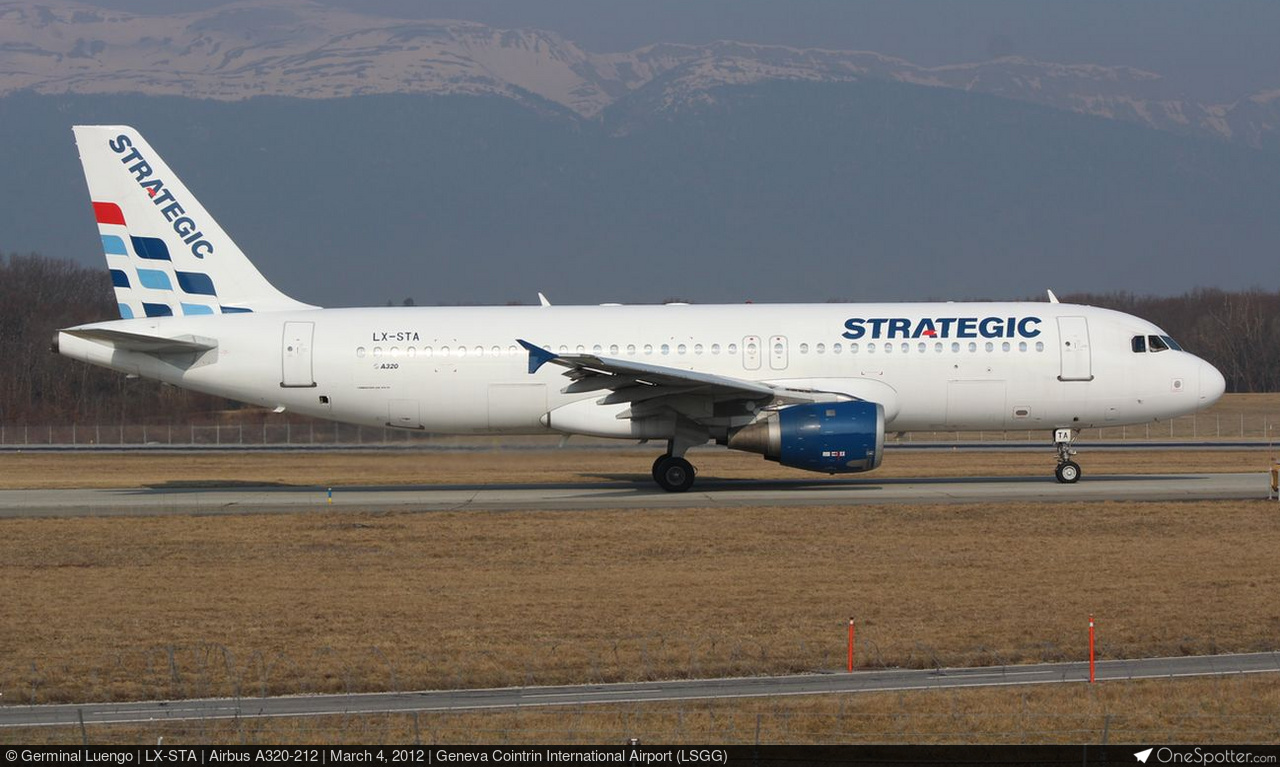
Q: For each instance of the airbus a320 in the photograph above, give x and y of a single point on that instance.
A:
(810, 386)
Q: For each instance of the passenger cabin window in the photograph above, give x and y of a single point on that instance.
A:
(1139, 344)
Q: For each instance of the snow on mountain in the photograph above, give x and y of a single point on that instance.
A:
(308, 50)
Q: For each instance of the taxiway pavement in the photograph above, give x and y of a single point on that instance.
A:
(880, 680)
(625, 494)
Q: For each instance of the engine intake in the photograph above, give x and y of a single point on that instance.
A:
(831, 437)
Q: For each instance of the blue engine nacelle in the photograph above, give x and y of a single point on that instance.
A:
(832, 437)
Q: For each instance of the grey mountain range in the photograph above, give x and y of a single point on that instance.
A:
(361, 158)
(310, 50)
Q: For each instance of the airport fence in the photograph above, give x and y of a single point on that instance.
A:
(1262, 428)
(206, 435)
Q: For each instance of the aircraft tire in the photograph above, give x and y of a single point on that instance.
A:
(657, 463)
(675, 475)
(1067, 472)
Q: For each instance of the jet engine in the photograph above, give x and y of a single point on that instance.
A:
(832, 437)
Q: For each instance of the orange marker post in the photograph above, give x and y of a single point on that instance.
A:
(1091, 674)
(851, 634)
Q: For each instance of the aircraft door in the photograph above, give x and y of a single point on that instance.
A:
(404, 414)
(295, 349)
(751, 352)
(1073, 343)
(778, 352)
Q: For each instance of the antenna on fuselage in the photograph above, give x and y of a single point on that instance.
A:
(1052, 298)
(543, 300)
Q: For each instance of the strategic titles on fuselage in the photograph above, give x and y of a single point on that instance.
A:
(941, 327)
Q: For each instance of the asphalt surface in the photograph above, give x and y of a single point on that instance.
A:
(625, 494)
(642, 692)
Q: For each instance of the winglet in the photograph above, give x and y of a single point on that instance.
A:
(542, 300)
(1052, 298)
(537, 355)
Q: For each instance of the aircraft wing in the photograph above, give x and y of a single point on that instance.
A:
(656, 385)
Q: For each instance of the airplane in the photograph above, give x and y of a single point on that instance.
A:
(810, 386)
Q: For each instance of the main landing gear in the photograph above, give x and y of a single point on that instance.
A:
(673, 473)
(1068, 471)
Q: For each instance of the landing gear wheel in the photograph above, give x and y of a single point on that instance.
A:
(1067, 472)
(675, 475)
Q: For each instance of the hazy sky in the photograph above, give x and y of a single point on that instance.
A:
(1209, 50)
(881, 191)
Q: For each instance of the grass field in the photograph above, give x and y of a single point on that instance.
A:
(180, 606)
(176, 606)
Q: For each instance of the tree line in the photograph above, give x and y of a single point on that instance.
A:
(1239, 332)
(39, 296)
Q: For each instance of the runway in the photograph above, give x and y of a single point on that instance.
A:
(642, 692)
(184, 499)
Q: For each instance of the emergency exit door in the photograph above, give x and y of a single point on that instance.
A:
(295, 350)
(778, 352)
(751, 352)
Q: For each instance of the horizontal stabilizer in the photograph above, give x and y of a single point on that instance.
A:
(140, 342)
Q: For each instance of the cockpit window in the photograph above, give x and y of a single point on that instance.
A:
(1153, 344)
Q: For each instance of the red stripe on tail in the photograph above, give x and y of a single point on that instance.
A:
(108, 213)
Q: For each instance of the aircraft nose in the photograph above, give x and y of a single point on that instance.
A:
(1212, 384)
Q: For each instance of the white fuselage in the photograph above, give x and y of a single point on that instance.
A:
(1010, 366)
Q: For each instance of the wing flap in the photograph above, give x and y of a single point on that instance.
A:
(593, 373)
(654, 390)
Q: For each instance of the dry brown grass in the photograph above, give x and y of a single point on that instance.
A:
(179, 606)
(67, 470)
(1228, 710)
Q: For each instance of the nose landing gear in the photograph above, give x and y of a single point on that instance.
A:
(1068, 471)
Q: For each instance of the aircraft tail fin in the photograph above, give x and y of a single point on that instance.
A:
(166, 254)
